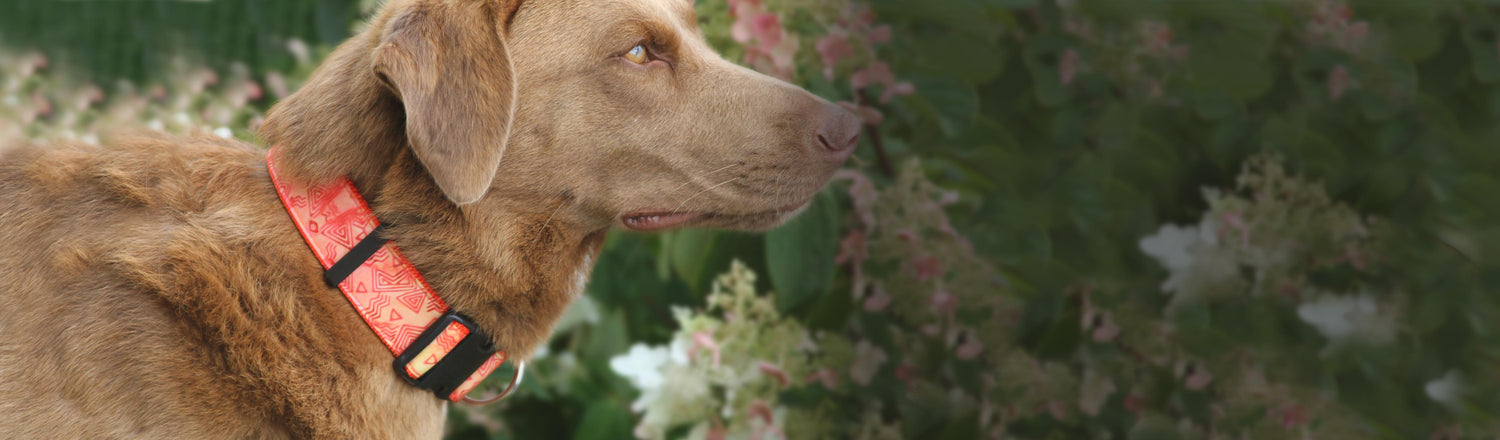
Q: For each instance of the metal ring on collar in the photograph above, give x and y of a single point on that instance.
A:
(520, 370)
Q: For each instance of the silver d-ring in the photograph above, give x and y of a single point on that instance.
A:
(520, 371)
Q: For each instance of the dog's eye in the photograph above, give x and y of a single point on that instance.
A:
(636, 54)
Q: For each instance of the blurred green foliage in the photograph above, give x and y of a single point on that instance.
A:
(1070, 130)
(133, 39)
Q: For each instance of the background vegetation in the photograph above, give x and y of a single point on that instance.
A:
(1068, 219)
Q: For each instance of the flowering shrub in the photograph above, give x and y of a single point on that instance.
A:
(721, 371)
(190, 98)
(1065, 219)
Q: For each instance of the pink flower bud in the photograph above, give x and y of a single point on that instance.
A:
(1067, 67)
(944, 303)
(878, 300)
(971, 348)
(1198, 379)
(827, 377)
(774, 371)
(834, 47)
(1135, 403)
(928, 267)
(716, 433)
(741, 30)
(705, 341)
(897, 89)
(253, 92)
(932, 329)
(766, 28)
(875, 73)
(852, 248)
(1106, 331)
(1236, 221)
(1338, 82)
(906, 372)
(42, 105)
(1292, 415)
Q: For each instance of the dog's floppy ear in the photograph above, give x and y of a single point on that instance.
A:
(448, 64)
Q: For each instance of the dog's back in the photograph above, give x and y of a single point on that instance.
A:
(91, 335)
(142, 279)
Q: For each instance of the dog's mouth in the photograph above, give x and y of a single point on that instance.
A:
(648, 221)
(656, 221)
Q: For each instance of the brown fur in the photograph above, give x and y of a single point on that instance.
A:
(154, 287)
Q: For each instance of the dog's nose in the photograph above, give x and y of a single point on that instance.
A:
(839, 132)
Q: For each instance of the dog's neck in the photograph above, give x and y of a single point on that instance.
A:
(509, 261)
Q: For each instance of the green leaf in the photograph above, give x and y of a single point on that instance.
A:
(1479, 35)
(963, 427)
(1043, 53)
(690, 249)
(965, 57)
(1116, 128)
(831, 311)
(604, 420)
(959, 16)
(1415, 40)
(952, 103)
(1233, 66)
(800, 253)
(699, 255)
(803, 397)
(1153, 427)
(609, 338)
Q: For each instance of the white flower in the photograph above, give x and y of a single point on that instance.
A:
(1191, 254)
(867, 360)
(299, 50)
(1445, 389)
(1170, 246)
(641, 365)
(1350, 317)
(224, 132)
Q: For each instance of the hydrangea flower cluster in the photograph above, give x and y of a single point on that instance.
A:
(723, 370)
(845, 49)
(1144, 55)
(934, 300)
(43, 102)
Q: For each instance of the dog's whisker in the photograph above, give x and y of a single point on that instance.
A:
(705, 176)
(711, 188)
(560, 204)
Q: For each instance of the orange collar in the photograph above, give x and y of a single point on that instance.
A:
(387, 291)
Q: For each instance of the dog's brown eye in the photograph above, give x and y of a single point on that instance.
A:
(636, 54)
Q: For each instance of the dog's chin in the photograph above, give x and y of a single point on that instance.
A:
(651, 221)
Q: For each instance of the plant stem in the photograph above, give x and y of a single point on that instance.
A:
(863, 99)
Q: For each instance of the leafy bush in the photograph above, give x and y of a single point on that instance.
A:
(1066, 219)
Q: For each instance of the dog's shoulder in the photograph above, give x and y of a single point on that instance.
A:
(157, 255)
(147, 169)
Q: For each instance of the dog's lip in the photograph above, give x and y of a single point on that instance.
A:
(656, 221)
(648, 220)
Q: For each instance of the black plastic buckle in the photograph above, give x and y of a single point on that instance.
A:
(454, 368)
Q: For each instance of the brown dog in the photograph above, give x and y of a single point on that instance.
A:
(155, 287)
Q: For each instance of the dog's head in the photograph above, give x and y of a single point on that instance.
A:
(617, 110)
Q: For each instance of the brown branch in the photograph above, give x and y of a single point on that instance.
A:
(884, 161)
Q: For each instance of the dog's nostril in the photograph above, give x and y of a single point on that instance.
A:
(839, 132)
(824, 140)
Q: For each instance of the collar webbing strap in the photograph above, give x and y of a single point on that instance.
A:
(387, 291)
